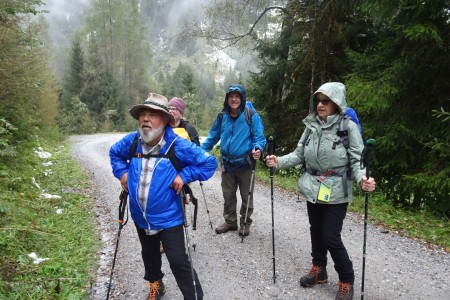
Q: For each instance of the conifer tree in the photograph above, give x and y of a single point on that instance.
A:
(398, 80)
(75, 77)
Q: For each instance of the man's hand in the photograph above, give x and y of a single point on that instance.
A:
(177, 184)
(123, 182)
(256, 153)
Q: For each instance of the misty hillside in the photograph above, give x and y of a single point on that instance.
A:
(164, 22)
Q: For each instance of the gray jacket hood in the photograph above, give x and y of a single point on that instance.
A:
(333, 90)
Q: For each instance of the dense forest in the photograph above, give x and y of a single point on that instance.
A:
(393, 56)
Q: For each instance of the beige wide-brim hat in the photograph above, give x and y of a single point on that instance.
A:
(155, 102)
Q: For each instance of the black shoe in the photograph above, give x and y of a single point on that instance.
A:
(345, 291)
(157, 290)
(316, 275)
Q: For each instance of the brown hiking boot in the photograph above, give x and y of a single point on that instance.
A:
(345, 291)
(157, 290)
(225, 227)
(316, 275)
(244, 230)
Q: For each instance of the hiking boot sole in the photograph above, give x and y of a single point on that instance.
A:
(311, 285)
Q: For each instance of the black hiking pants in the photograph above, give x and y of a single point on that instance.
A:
(325, 227)
(172, 240)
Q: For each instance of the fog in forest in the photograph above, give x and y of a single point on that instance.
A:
(66, 17)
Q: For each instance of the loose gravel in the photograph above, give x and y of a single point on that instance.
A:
(396, 267)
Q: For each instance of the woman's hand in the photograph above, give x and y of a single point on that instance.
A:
(271, 161)
(367, 185)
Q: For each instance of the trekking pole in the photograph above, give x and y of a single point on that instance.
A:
(270, 150)
(250, 196)
(194, 201)
(366, 160)
(186, 233)
(206, 205)
(122, 208)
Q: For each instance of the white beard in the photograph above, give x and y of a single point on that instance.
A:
(150, 136)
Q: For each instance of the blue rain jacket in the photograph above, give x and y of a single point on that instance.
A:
(236, 140)
(163, 208)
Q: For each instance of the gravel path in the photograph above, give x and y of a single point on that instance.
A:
(396, 267)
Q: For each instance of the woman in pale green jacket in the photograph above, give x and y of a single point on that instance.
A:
(326, 182)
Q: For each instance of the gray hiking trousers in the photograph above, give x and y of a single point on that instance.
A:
(231, 181)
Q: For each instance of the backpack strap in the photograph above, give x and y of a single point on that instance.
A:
(343, 131)
(133, 148)
(248, 118)
(305, 143)
(170, 154)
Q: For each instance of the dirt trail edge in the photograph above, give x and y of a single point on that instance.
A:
(396, 267)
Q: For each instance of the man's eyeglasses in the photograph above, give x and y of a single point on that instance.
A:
(173, 109)
(323, 101)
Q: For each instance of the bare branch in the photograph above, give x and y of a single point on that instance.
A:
(237, 38)
(219, 33)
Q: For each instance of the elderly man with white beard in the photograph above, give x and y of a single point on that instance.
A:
(154, 182)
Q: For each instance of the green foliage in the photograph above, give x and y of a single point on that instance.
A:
(97, 101)
(120, 32)
(197, 89)
(397, 82)
(28, 103)
(7, 147)
(75, 77)
(394, 58)
(28, 221)
(77, 119)
(31, 223)
(424, 225)
(308, 52)
(90, 94)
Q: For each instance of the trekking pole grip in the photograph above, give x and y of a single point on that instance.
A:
(122, 207)
(368, 156)
(270, 150)
(270, 145)
(253, 160)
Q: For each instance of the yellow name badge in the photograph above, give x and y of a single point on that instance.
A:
(324, 193)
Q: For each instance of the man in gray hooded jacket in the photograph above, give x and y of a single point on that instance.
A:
(325, 183)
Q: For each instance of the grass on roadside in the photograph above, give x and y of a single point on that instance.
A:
(421, 225)
(60, 229)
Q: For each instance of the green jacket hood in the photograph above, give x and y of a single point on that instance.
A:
(333, 90)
